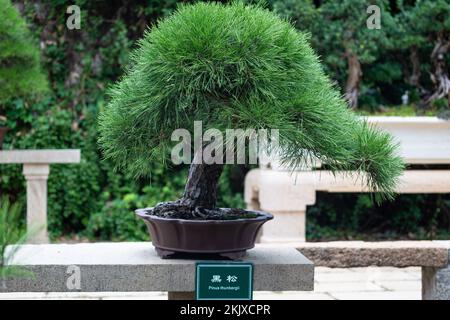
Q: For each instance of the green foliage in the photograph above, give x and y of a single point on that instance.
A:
(12, 232)
(117, 221)
(11, 228)
(424, 20)
(237, 66)
(343, 27)
(338, 28)
(20, 72)
(302, 14)
(425, 27)
(353, 217)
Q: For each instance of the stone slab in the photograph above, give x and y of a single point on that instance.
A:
(349, 254)
(364, 254)
(134, 266)
(40, 156)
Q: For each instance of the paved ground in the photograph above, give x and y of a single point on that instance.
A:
(330, 284)
(359, 284)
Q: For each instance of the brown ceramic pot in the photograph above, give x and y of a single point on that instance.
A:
(227, 238)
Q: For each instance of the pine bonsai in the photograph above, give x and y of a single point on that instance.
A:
(20, 72)
(236, 66)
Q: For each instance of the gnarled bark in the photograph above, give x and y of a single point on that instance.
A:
(202, 181)
(439, 76)
(200, 194)
(201, 185)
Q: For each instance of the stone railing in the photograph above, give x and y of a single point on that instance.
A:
(36, 168)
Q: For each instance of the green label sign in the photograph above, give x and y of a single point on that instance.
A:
(224, 281)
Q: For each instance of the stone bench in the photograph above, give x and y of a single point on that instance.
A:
(287, 195)
(431, 256)
(272, 188)
(135, 266)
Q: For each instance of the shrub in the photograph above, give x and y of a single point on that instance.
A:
(20, 72)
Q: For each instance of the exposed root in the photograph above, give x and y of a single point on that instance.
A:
(180, 210)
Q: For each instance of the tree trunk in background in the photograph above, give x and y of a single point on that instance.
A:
(354, 76)
(414, 78)
(201, 185)
(439, 76)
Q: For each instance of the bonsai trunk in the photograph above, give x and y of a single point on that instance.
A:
(200, 193)
(201, 185)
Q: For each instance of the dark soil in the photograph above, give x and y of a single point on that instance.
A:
(178, 210)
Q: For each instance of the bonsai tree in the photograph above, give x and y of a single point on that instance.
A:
(235, 66)
(20, 72)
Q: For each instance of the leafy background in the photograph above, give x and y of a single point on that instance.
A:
(91, 201)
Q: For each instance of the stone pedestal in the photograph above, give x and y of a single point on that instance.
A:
(36, 176)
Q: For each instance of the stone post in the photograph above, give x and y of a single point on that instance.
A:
(36, 176)
(279, 193)
(289, 226)
(436, 283)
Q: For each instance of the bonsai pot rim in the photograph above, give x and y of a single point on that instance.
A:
(227, 238)
(262, 216)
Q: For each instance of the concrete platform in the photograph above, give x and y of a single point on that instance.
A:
(135, 267)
